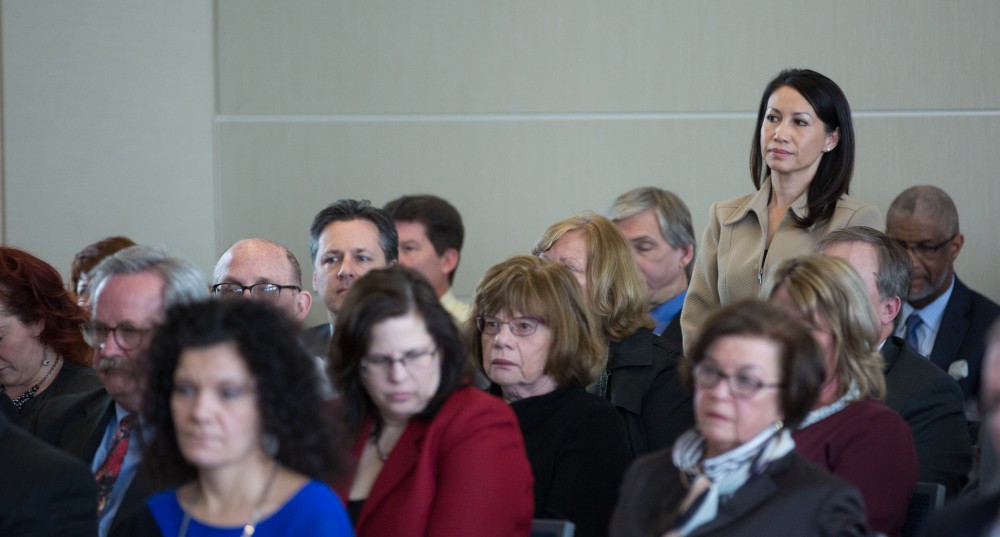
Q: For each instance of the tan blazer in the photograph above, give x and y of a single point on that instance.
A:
(729, 266)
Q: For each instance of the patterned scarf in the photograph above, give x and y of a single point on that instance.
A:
(717, 478)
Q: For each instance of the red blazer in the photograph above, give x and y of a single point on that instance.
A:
(465, 473)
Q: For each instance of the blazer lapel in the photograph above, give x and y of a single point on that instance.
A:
(402, 460)
(954, 325)
(753, 493)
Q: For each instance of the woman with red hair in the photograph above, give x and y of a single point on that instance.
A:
(42, 351)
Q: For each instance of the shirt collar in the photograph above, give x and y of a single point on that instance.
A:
(932, 313)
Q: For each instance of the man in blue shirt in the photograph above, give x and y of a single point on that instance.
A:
(658, 225)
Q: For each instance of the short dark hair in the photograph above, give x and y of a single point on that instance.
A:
(440, 219)
(836, 167)
(801, 359)
(85, 260)
(539, 288)
(32, 290)
(895, 269)
(346, 210)
(385, 294)
(288, 392)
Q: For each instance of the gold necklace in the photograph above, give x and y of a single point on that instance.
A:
(251, 525)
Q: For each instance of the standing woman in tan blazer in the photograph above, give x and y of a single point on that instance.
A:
(801, 163)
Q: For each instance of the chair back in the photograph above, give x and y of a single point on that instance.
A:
(541, 527)
(927, 498)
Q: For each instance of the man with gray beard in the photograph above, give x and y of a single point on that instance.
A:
(131, 290)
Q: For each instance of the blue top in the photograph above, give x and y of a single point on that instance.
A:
(313, 511)
(664, 313)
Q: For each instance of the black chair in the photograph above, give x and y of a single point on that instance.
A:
(927, 498)
(541, 527)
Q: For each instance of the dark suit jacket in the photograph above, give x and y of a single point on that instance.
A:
(673, 334)
(43, 491)
(931, 403)
(791, 497)
(82, 420)
(317, 339)
(645, 388)
(968, 517)
(964, 324)
(464, 472)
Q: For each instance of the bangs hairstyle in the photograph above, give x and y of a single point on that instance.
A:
(288, 392)
(380, 295)
(32, 290)
(800, 359)
(533, 287)
(829, 288)
(836, 167)
(617, 290)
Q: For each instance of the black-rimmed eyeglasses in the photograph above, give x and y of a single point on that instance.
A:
(741, 385)
(261, 291)
(126, 336)
(924, 249)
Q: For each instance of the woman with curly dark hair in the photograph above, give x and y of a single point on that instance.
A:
(42, 352)
(435, 455)
(238, 428)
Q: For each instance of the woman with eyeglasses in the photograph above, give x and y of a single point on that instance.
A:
(537, 341)
(42, 351)
(756, 373)
(849, 431)
(434, 454)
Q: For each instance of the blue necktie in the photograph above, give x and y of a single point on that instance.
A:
(913, 323)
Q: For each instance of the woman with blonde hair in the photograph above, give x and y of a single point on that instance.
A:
(850, 432)
(534, 337)
(640, 378)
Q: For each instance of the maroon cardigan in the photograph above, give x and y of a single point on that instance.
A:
(870, 446)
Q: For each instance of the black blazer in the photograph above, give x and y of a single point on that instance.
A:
(791, 497)
(673, 334)
(646, 389)
(931, 403)
(43, 491)
(968, 517)
(966, 319)
(83, 418)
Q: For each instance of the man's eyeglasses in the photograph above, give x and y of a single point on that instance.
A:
(741, 385)
(126, 336)
(261, 291)
(382, 364)
(923, 249)
(519, 326)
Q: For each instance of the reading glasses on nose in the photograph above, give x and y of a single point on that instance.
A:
(262, 291)
(519, 326)
(385, 364)
(741, 385)
(126, 336)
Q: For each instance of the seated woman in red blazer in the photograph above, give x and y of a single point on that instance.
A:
(435, 455)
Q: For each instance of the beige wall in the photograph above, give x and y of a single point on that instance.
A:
(519, 112)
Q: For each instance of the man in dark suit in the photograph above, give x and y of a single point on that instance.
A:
(943, 319)
(925, 396)
(657, 223)
(347, 239)
(974, 516)
(43, 491)
(131, 290)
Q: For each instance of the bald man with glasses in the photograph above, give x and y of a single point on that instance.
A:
(262, 270)
(943, 319)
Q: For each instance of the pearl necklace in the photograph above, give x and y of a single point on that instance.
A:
(23, 399)
(258, 508)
